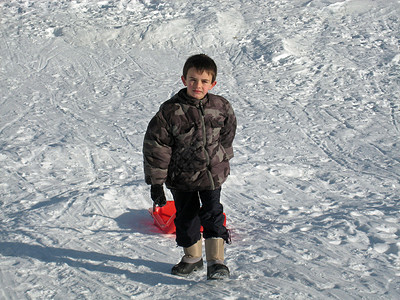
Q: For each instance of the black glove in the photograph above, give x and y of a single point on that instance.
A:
(157, 194)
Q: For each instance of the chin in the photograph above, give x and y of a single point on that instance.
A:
(196, 96)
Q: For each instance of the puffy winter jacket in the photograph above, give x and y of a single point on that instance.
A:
(188, 143)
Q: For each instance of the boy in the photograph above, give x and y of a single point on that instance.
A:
(187, 146)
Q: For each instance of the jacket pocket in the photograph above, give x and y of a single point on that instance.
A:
(185, 133)
(216, 122)
(215, 127)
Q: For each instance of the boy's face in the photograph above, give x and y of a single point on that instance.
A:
(198, 84)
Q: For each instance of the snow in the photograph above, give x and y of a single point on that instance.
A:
(313, 196)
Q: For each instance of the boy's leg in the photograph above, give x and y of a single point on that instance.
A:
(216, 268)
(215, 234)
(187, 221)
(194, 253)
(214, 251)
(191, 261)
(212, 215)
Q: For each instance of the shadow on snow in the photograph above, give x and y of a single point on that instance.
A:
(75, 258)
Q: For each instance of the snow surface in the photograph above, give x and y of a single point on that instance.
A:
(313, 198)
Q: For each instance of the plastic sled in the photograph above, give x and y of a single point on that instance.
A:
(164, 217)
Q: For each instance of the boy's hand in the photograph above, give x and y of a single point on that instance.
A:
(157, 194)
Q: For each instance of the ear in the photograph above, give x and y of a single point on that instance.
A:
(213, 84)
(183, 80)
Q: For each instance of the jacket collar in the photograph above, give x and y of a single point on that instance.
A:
(190, 100)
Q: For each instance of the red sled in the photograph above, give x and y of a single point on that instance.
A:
(164, 217)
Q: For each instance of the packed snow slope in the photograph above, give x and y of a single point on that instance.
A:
(313, 197)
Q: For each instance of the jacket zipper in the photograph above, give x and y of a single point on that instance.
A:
(203, 125)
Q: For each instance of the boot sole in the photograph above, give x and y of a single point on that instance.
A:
(218, 272)
(218, 276)
(195, 268)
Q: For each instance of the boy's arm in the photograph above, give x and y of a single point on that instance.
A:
(156, 151)
(228, 131)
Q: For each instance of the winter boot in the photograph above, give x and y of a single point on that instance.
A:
(191, 261)
(215, 259)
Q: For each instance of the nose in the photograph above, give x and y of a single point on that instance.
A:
(198, 84)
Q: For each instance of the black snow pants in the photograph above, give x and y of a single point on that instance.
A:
(191, 214)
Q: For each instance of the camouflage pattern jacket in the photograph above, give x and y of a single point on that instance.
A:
(188, 143)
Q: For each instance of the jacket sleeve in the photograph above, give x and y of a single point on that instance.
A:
(228, 131)
(156, 150)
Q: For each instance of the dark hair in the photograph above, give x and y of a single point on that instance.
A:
(201, 63)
